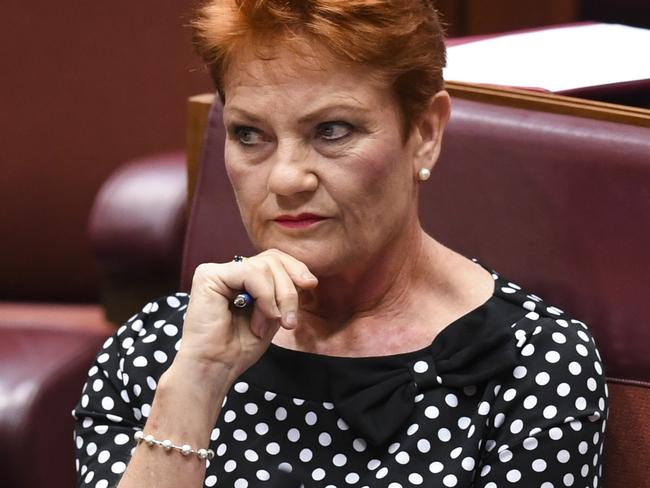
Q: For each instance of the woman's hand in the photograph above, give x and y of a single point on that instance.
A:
(217, 334)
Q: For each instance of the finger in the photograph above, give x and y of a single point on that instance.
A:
(286, 293)
(297, 270)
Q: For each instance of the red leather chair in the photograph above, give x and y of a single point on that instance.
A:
(558, 203)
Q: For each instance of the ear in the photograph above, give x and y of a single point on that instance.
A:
(428, 131)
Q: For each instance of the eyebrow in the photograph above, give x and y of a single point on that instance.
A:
(310, 117)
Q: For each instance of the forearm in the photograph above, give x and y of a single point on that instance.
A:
(185, 409)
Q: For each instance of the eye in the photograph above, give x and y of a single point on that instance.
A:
(334, 131)
(248, 136)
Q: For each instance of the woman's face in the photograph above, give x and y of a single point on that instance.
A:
(317, 160)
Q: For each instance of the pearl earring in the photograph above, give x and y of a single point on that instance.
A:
(423, 174)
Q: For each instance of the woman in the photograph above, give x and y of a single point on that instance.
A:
(372, 355)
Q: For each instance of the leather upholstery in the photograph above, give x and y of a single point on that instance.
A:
(554, 202)
(627, 446)
(43, 369)
(137, 222)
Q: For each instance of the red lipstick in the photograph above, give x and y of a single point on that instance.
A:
(299, 221)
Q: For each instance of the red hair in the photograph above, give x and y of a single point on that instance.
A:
(400, 40)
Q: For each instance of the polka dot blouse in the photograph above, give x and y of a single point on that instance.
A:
(512, 393)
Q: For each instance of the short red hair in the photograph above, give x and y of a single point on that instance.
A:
(401, 40)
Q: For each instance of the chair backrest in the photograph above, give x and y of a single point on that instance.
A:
(560, 203)
(626, 457)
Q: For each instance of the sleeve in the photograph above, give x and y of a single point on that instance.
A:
(118, 393)
(547, 425)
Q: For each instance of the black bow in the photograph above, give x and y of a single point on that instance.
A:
(376, 402)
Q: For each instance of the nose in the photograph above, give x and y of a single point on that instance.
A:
(291, 172)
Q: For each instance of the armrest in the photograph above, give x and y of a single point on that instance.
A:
(42, 371)
(136, 230)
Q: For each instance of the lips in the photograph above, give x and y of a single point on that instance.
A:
(299, 221)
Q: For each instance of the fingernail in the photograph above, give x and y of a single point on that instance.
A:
(290, 319)
(309, 277)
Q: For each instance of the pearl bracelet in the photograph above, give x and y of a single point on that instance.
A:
(167, 445)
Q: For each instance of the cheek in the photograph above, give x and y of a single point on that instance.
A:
(374, 181)
(248, 184)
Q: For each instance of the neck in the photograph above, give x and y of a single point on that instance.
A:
(380, 289)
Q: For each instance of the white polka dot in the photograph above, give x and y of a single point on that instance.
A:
(98, 384)
(436, 467)
(444, 434)
(328, 405)
(381, 473)
(484, 408)
(530, 401)
(464, 422)
(516, 426)
(229, 416)
(431, 412)
(563, 456)
(539, 465)
(103, 456)
(416, 479)
(230, 466)
(555, 433)
(102, 484)
(239, 435)
(359, 445)
(170, 329)
(421, 367)
(528, 350)
(513, 476)
(581, 403)
(121, 439)
(506, 289)
(582, 350)
(273, 448)
(269, 395)
(559, 337)
(468, 464)
(591, 384)
(519, 372)
(318, 474)
(509, 394)
(211, 480)
(306, 455)
(310, 418)
(563, 389)
(402, 457)
(261, 428)
(324, 439)
(251, 455)
(373, 464)
(250, 408)
(451, 400)
(528, 305)
(151, 383)
(281, 413)
(298, 401)
(450, 480)
(118, 467)
(140, 362)
(424, 445)
(241, 387)
(91, 448)
(285, 467)
(505, 456)
(293, 435)
(102, 358)
(552, 357)
(351, 478)
(456, 452)
(582, 447)
(108, 403)
(568, 479)
(341, 424)
(530, 443)
(339, 460)
(263, 475)
(498, 420)
(542, 378)
(549, 412)
(392, 449)
(241, 483)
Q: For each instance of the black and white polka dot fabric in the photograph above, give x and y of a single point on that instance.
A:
(511, 394)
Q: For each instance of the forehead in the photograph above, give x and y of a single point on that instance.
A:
(301, 76)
